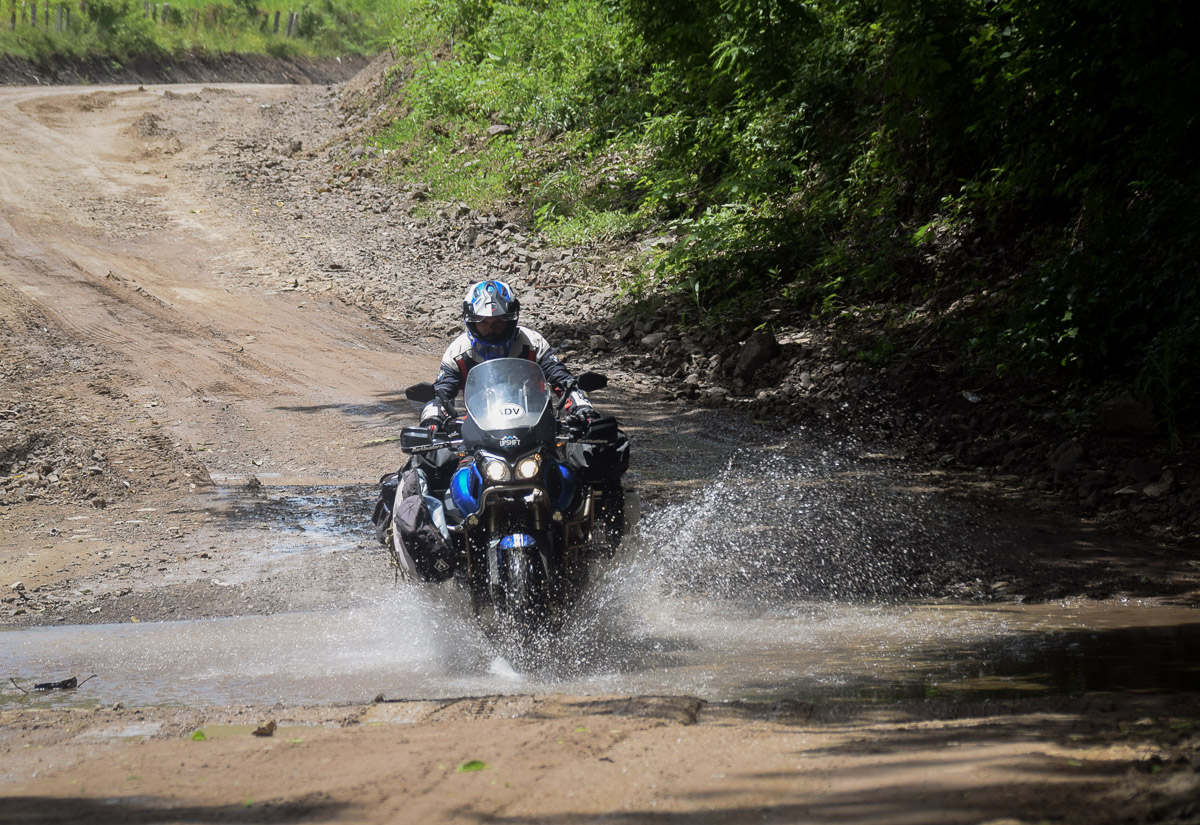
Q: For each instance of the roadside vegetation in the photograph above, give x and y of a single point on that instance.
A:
(1014, 181)
(125, 30)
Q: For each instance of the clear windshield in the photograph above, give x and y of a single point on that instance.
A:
(506, 393)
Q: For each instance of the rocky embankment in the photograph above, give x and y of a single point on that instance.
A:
(195, 68)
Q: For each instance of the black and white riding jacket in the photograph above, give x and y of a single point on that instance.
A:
(460, 357)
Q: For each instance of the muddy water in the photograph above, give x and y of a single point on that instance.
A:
(419, 645)
(776, 581)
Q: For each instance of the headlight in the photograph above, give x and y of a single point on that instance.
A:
(527, 468)
(497, 470)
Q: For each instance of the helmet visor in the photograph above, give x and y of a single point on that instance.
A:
(494, 330)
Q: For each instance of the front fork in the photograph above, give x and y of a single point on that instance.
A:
(485, 556)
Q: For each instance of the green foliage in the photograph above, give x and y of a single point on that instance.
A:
(122, 29)
(42, 46)
(1032, 157)
(521, 62)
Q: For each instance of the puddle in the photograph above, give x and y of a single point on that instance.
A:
(135, 731)
(418, 645)
(795, 575)
(287, 517)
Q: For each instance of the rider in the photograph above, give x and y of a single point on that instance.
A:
(490, 314)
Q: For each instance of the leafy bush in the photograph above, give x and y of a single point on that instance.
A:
(122, 29)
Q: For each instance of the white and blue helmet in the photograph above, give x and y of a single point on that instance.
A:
(491, 299)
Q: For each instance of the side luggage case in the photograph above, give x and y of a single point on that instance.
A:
(414, 529)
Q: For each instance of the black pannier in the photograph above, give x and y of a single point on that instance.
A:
(598, 463)
(408, 529)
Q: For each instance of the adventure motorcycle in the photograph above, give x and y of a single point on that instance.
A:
(533, 497)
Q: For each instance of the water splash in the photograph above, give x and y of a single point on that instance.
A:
(795, 573)
(805, 521)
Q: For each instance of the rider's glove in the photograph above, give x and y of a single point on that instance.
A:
(574, 421)
(578, 403)
(438, 413)
(581, 418)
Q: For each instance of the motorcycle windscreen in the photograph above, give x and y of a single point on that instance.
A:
(506, 394)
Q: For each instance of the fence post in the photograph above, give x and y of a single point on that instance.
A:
(276, 30)
(59, 23)
(166, 10)
(33, 14)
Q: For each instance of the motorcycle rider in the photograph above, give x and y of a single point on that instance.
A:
(491, 313)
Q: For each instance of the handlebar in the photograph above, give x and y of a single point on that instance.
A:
(448, 434)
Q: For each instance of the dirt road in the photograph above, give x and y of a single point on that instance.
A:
(157, 336)
(104, 236)
(163, 343)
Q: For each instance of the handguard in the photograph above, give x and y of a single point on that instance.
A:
(414, 440)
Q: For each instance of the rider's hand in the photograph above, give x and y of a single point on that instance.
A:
(447, 415)
(580, 418)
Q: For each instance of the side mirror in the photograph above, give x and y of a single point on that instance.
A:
(592, 381)
(422, 392)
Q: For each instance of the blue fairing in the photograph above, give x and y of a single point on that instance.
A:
(464, 489)
(517, 540)
(562, 485)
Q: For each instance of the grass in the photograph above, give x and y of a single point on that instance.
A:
(121, 30)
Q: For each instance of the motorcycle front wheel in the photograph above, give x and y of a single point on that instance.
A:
(510, 595)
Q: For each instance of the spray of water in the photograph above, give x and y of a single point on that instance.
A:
(793, 566)
(804, 521)
(780, 540)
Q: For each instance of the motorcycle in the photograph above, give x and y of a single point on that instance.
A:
(523, 514)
